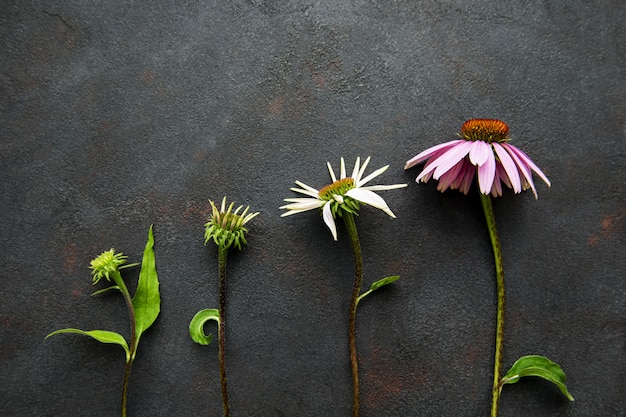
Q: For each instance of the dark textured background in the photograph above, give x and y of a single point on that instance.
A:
(118, 115)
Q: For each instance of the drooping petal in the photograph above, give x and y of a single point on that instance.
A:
(466, 177)
(523, 167)
(424, 155)
(372, 176)
(451, 158)
(496, 188)
(370, 198)
(329, 220)
(530, 163)
(486, 173)
(509, 166)
(450, 177)
(479, 152)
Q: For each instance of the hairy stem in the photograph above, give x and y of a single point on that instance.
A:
(223, 252)
(358, 280)
(133, 337)
(497, 254)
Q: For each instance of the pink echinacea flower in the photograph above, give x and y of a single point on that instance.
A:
(482, 150)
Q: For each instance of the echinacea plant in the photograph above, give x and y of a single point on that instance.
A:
(483, 151)
(226, 229)
(343, 198)
(143, 307)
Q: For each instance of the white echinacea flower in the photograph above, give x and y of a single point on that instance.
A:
(344, 194)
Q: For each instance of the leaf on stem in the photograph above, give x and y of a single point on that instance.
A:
(147, 300)
(112, 287)
(385, 281)
(535, 365)
(103, 336)
(196, 326)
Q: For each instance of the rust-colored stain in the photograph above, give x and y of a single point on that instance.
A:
(276, 105)
(196, 210)
(147, 77)
(609, 227)
(70, 257)
(381, 383)
(199, 155)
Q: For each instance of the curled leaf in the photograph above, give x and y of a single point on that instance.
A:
(535, 365)
(103, 336)
(196, 326)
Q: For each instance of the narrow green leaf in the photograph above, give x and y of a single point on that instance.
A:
(196, 326)
(112, 287)
(103, 336)
(535, 365)
(385, 281)
(147, 300)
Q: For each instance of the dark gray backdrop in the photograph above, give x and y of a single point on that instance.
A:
(118, 115)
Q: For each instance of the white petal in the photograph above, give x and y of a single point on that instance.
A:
(313, 193)
(328, 219)
(370, 198)
(383, 187)
(357, 165)
(306, 187)
(372, 176)
(357, 179)
(331, 172)
(343, 169)
(300, 204)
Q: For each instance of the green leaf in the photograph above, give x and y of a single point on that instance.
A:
(535, 365)
(147, 300)
(103, 336)
(196, 326)
(385, 281)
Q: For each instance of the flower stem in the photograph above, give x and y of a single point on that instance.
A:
(223, 252)
(133, 337)
(497, 254)
(358, 280)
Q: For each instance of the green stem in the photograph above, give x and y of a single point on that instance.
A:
(133, 337)
(358, 280)
(497, 254)
(223, 252)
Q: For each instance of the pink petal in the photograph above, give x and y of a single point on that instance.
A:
(451, 158)
(468, 174)
(523, 167)
(424, 155)
(530, 163)
(479, 152)
(450, 177)
(486, 174)
(509, 166)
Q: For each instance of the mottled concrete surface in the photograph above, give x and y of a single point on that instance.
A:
(118, 115)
